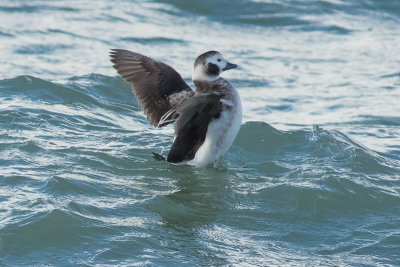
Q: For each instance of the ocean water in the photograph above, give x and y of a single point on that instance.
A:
(313, 178)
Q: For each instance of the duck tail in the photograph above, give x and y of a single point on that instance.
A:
(158, 156)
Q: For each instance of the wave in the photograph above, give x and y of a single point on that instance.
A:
(35, 8)
(152, 40)
(299, 14)
(102, 104)
(260, 142)
(87, 89)
(320, 172)
(77, 172)
(111, 97)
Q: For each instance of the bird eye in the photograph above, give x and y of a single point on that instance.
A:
(219, 60)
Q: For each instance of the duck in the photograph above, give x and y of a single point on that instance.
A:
(206, 120)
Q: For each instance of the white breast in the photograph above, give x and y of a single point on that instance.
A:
(221, 133)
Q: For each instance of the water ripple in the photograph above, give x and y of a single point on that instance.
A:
(77, 175)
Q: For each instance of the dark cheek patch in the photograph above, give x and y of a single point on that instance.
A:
(212, 69)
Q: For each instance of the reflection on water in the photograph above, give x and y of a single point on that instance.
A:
(201, 197)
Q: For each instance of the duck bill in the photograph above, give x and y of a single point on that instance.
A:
(229, 66)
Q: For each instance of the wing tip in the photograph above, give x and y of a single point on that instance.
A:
(113, 54)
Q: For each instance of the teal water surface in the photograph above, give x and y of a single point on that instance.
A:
(313, 178)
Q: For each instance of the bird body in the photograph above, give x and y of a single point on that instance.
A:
(221, 131)
(207, 120)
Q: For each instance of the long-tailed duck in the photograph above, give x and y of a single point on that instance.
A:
(207, 120)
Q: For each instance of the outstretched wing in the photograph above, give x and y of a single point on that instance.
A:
(153, 82)
(191, 126)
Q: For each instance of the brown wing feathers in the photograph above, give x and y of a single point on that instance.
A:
(152, 81)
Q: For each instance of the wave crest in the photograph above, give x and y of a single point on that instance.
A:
(259, 142)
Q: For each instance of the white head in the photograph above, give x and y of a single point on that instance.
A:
(208, 66)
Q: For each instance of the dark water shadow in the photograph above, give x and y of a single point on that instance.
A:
(202, 195)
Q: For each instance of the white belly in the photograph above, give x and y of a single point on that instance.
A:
(221, 133)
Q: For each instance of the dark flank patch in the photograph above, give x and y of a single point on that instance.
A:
(186, 144)
(212, 69)
(191, 127)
